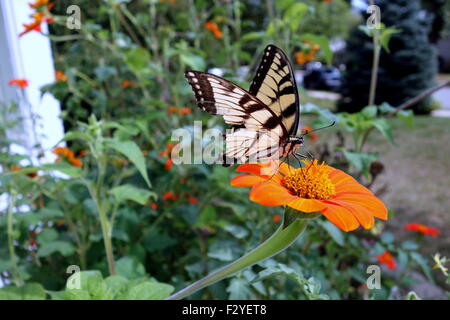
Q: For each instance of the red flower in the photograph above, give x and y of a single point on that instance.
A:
(68, 155)
(306, 129)
(214, 28)
(192, 199)
(169, 196)
(21, 83)
(168, 165)
(154, 206)
(35, 25)
(127, 83)
(60, 76)
(276, 218)
(387, 259)
(423, 229)
(185, 111)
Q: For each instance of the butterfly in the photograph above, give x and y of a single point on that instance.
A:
(264, 119)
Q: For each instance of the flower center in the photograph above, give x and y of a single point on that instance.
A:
(311, 182)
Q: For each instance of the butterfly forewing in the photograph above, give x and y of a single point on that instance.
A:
(262, 118)
(274, 84)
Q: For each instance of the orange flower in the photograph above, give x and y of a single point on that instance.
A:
(313, 137)
(276, 218)
(40, 3)
(68, 155)
(423, 229)
(169, 196)
(167, 152)
(315, 188)
(387, 259)
(185, 111)
(35, 25)
(60, 76)
(21, 83)
(214, 28)
(192, 199)
(127, 83)
(172, 110)
(168, 165)
(154, 206)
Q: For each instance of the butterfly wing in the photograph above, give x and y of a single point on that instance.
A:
(257, 129)
(274, 85)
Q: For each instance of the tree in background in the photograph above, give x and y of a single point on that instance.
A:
(406, 71)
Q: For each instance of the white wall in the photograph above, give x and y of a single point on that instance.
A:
(28, 57)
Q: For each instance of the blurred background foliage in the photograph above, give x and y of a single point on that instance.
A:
(143, 226)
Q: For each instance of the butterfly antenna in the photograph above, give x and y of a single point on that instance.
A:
(275, 172)
(317, 129)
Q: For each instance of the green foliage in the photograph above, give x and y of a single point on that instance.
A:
(112, 217)
(407, 63)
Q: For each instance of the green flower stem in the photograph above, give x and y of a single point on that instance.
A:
(10, 232)
(293, 225)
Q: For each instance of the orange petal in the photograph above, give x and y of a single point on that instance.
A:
(246, 180)
(371, 203)
(270, 194)
(307, 205)
(364, 216)
(340, 216)
(268, 169)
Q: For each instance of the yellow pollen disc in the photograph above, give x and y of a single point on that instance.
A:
(311, 182)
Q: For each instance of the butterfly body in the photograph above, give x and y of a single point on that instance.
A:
(264, 119)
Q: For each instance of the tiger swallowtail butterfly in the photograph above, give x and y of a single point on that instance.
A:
(264, 119)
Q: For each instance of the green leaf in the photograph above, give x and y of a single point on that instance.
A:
(422, 262)
(238, 289)
(409, 245)
(324, 44)
(138, 60)
(369, 112)
(387, 238)
(129, 192)
(237, 231)
(385, 129)
(334, 232)
(385, 37)
(294, 14)
(360, 160)
(130, 268)
(407, 116)
(71, 171)
(30, 291)
(63, 247)
(208, 216)
(194, 61)
(150, 291)
(131, 150)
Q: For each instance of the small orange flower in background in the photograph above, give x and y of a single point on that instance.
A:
(154, 206)
(169, 196)
(423, 229)
(168, 164)
(60, 76)
(21, 83)
(30, 174)
(313, 137)
(63, 152)
(35, 25)
(40, 3)
(192, 200)
(276, 218)
(181, 111)
(127, 83)
(307, 54)
(214, 28)
(166, 153)
(185, 111)
(387, 259)
(315, 188)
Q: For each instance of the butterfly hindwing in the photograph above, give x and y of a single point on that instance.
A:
(274, 84)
